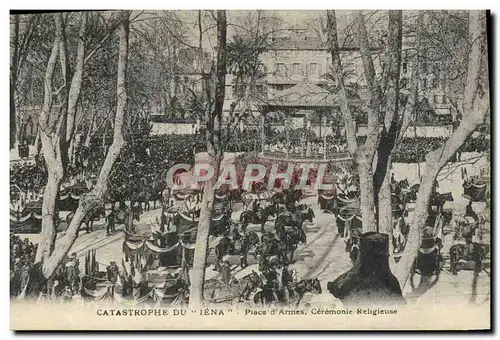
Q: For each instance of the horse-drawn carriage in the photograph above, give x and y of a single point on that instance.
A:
(476, 188)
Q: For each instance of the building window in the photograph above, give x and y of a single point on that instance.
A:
(238, 92)
(280, 88)
(296, 69)
(313, 68)
(445, 100)
(259, 91)
(280, 69)
(436, 99)
(405, 67)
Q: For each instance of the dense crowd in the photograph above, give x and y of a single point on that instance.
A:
(22, 258)
(149, 157)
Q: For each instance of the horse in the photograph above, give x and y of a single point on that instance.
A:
(287, 197)
(290, 237)
(411, 193)
(306, 213)
(267, 296)
(288, 218)
(88, 220)
(438, 200)
(251, 217)
(243, 243)
(400, 185)
(400, 232)
(270, 247)
(238, 290)
(473, 251)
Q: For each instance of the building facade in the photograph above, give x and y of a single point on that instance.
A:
(298, 60)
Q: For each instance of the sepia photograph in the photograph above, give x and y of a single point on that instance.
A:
(250, 170)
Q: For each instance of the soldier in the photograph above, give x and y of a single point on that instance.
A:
(469, 211)
(225, 271)
(110, 222)
(24, 276)
(287, 283)
(271, 282)
(67, 295)
(72, 272)
(112, 272)
(53, 291)
(256, 208)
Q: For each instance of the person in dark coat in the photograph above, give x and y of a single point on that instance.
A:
(469, 211)
(110, 222)
(112, 272)
(225, 272)
(72, 271)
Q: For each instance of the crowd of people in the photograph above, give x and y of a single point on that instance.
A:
(63, 286)
(22, 258)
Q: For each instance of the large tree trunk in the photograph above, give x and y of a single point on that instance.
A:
(214, 147)
(366, 192)
(333, 45)
(54, 167)
(49, 228)
(392, 124)
(475, 108)
(385, 220)
(76, 81)
(365, 154)
(200, 255)
(94, 198)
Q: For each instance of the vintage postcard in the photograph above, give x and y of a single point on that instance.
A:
(250, 170)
